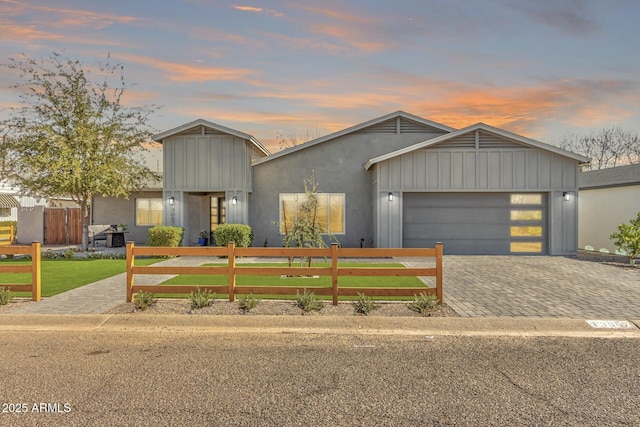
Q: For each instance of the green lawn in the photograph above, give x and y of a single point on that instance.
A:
(323, 281)
(62, 275)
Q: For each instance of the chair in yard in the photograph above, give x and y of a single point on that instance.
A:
(97, 232)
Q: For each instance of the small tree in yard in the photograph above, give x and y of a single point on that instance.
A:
(304, 230)
(73, 136)
(628, 238)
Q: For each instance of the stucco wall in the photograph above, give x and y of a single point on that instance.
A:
(30, 225)
(122, 211)
(601, 210)
(339, 168)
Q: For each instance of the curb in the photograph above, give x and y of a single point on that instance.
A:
(267, 324)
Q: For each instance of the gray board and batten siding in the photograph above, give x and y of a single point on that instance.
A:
(485, 167)
(203, 159)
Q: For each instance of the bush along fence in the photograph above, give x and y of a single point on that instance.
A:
(34, 269)
(334, 254)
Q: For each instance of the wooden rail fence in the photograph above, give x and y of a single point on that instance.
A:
(334, 253)
(35, 287)
(6, 235)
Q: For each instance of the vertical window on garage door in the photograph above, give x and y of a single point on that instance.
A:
(527, 223)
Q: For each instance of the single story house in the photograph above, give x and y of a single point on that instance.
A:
(395, 181)
(608, 198)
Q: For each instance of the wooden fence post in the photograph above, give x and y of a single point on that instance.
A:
(130, 261)
(231, 255)
(334, 272)
(36, 272)
(439, 271)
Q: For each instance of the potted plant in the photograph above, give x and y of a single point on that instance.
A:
(203, 238)
(122, 227)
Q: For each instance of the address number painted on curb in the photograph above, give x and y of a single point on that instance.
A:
(610, 324)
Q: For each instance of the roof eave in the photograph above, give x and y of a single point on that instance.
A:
(480, 126)
(201, 122)
(355, 128)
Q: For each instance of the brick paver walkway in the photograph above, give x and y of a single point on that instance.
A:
(531, 286)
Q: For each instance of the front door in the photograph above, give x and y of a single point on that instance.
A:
(218, 213)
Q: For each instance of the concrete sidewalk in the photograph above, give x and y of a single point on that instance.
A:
(355, 325)
(100, 296)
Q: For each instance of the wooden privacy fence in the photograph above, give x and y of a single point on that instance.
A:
(62, 226)
(334, 254)
(34, 269)
(6, 235)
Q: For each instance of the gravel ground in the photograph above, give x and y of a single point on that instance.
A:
(274, 307)
(15, 303)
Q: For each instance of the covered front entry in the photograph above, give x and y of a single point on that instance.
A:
(476, 223)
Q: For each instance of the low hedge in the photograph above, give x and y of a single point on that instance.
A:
(240, 234)
(162, 235)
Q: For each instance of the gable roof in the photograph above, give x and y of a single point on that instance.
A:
(356, 128)
(485, 128)
(205, 124)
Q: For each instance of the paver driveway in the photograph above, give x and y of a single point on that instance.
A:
(540, 286)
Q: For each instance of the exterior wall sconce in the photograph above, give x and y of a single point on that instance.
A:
(234, 200)
(566, 196)
(390, 196)
(172, 200)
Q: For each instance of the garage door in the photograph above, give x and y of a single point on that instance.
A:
(476, 223)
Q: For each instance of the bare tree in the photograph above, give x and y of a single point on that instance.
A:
(607, 147)
(293, 139)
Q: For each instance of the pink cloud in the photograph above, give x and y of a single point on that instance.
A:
(254, 9)
(185, 73)
(64, 17)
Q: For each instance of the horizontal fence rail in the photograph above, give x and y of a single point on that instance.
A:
(35, 288)
(6, 235)
(334, 254)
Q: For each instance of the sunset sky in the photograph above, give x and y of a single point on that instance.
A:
(540, 68)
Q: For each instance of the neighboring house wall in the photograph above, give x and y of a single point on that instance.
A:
(608, 198)
(31, 225)
(114, 211)
(339, 168)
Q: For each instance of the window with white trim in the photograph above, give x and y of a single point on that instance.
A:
(149, 211)
(330, 214)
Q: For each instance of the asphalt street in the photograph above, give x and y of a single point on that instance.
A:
(207, 377)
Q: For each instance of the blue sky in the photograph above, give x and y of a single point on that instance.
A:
(540, 68)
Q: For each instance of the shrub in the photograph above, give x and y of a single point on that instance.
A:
(51, 254)
(201, 299)
(162, 235)
(240, 234)
(5, 296)
(69, 253)
(102, 255)
(423, 303)
(247, 302)
(628, 238)
(364, 304)
(308, 301)
(143, 300)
